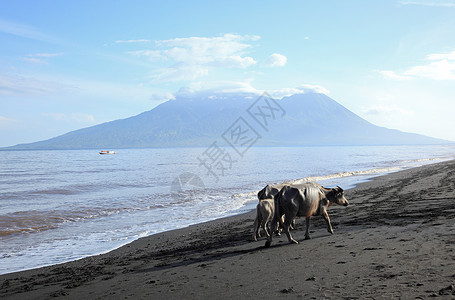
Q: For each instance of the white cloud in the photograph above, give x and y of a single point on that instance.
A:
(302, 89)
(385, 109)
(13, 84)
(276, 60)
(180, 72)
(161, 96)
(439, 70)
(440, 67)
(213, 88)
(394, 76)
(132, 41)
(5, 119)
(6, 123)
(24, 31)
(47, 55)
(235, 61)
(430, 3)
(441, 56)
(194, 57)
(152, 55)
(17, 85)
(106, 91)
(41, 58)
(35, 60)
(390, 112)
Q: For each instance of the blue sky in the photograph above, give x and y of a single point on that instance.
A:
(65, 65)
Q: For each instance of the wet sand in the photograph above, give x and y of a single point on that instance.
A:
(395, 240)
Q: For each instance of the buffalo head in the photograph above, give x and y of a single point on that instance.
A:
(339, 196)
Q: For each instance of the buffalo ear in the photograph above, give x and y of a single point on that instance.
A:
(261, 193)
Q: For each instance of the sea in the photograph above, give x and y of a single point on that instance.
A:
(62, 205)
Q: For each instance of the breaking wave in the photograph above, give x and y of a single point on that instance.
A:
(344, 174)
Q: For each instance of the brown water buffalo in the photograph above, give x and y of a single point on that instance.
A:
(309, 199)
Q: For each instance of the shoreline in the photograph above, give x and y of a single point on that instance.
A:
(346, 179)
(394, 218)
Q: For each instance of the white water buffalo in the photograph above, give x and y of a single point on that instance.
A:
(309, 199)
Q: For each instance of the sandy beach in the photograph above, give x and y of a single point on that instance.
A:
(396, 240)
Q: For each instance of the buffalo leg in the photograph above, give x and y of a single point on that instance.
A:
(257, 222)
(293, 224)
(280, 225)
(307, 230)
(287, 228)
(325, 215)
(264, 225)
(273, 224)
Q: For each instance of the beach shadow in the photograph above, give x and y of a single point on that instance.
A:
(204, 260)
(218, 252)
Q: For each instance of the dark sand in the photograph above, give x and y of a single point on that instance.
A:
(395, 240)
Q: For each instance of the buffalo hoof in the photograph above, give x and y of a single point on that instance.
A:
(267, 244)
(307, 237)
(294, 242)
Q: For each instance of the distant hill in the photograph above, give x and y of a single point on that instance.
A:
(298, 120)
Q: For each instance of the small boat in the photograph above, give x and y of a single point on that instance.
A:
(107, 152)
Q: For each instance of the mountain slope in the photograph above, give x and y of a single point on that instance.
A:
(320, 120)
(302, 119)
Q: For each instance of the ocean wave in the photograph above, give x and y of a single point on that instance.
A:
(394, 166)
(344, 174)
(189, 203)
(31, 221)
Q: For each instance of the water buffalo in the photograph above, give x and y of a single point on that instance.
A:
(309, 199)
(269, 191)
(265, 211)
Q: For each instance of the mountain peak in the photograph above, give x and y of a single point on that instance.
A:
(198, 119)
